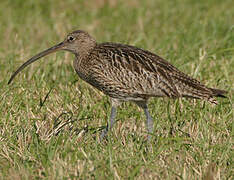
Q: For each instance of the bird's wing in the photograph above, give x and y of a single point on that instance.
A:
(146, 72)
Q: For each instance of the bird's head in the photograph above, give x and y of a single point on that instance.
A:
(78, 42)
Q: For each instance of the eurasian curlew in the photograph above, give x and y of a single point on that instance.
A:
(127, 73)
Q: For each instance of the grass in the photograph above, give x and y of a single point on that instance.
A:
(49, 118)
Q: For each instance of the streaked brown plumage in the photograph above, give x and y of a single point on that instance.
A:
(127, 73)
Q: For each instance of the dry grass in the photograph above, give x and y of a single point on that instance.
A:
(55, 137)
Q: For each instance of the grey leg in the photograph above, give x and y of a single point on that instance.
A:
(149, 121)
(112, 121)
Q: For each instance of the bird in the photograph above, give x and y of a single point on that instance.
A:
(127, 73)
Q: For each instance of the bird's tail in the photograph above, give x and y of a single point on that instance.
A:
(218, 92)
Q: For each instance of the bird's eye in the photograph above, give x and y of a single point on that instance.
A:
(70, 38)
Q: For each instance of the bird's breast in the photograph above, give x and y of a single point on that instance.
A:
(81, 71)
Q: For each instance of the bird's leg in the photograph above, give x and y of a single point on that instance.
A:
(149, 120)
(114, 103)
(110, 125)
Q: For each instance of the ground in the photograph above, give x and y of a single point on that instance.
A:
(50, 119)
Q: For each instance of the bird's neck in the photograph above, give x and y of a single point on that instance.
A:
(80, 66)
(86, 49)
(82, 60)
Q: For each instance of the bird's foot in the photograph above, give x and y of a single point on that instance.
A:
(103, 135)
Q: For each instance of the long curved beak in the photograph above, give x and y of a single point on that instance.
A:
(36, 57)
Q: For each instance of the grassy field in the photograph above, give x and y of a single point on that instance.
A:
(49, 118)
